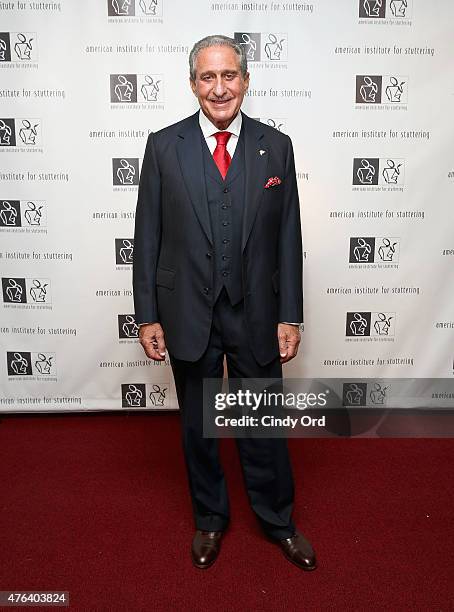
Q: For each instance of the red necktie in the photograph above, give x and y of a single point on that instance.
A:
(221, 156)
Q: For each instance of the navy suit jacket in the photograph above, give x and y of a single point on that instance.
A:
(173, 266)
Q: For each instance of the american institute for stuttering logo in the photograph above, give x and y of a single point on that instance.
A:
(29, 215)
(141, 395)
(125, 173)
(124, 250)
(278, 123)
(23, 133)
(378, 10)
(385, 90)
(18, 47)
(140, 11)
(127, 327)
(27, 292)
(26, 365)
(383, 251)
(373, 393)
(144, 91)
(370, 325)
(386, 172)
(268, 47)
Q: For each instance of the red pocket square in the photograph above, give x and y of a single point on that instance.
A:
(272, 181)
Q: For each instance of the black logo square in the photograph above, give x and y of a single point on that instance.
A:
(7, 133)
(133, 395)
(5, 47)
(362, 250)
(354, 394)
(14, 290)
(366, 170)
(372, 9)
(124, 248)
(125, 171)
(251, 41)
(19, 363)
(10, 213)
(368, 89)
(123, 88)
(127, 326)
(121, 8)
(358, 324)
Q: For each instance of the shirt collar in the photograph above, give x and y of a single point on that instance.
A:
(208, 128)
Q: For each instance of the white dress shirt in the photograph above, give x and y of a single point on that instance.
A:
(209, 130)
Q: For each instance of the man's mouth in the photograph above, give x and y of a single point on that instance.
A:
(221, 102)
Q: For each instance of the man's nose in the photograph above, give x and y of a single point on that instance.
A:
(219, 88)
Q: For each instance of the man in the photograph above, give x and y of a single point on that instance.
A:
(218, 272)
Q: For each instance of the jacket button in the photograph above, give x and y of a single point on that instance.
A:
(225, 273)
(208, 255)
(206, 290)
(226, 190)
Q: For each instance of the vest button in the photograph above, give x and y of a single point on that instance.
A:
(206, 290)
(225, 273)
(208, 255)
(226, 190)
(225, 223)
(225, 241)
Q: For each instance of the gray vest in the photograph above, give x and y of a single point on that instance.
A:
(226, 204)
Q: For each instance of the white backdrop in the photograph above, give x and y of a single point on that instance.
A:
(363, 87)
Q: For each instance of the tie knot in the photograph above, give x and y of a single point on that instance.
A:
(222, 138)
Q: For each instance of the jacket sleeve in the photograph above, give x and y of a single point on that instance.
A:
(290, 247)
(147, 237)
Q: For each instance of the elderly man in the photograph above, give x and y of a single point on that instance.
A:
(218, 273)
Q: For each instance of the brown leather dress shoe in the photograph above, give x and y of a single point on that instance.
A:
(299, 551)
(205, 548)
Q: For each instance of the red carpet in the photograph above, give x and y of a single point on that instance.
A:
(98, 505)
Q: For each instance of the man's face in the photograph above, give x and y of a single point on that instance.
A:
(219, 85)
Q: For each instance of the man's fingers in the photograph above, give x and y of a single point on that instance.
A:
(152, 341)
(161, 345)
(288, 342)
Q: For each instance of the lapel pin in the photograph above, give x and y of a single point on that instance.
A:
(262, 152)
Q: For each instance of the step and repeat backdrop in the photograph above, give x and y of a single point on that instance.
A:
(364, 88)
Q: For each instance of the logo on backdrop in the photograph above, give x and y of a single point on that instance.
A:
(127, 90)
(266, 47)
(278, 123)
(139, 395)
(388, 90)
(127, 327)
(143, 10)
(33, 292)
(24, 364)
(368, 171)
(374, 325)
(365, 394)
(393, 10)
(125, 171)
(124, 249)
(382, 250)
(25, 214)
(25, 134)
(18, 47)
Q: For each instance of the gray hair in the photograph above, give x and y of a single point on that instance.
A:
(217, 40)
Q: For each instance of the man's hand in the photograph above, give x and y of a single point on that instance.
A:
(289, 339)
(151, 337)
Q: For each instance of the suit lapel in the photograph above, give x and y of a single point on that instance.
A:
(256, 165)
(189, 151)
